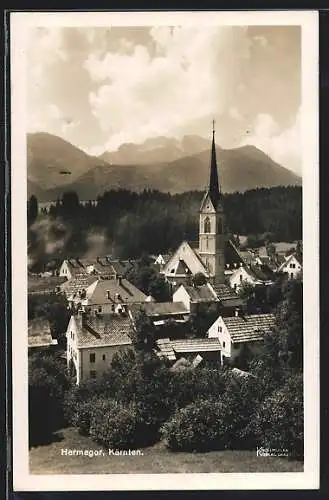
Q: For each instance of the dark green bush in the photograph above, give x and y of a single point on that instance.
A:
(279, 422)
(122, 426)
(200, 426)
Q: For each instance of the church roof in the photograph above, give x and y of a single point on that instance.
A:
(213, 189)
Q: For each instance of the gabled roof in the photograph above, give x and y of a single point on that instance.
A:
(103, 330)
(260, 272)
(77, 284)
(250, 327)
(114, 291)
(203, 293)
(296, 255)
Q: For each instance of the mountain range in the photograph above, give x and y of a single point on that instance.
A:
(167, 164)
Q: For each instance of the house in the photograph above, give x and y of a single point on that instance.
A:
(196, 298)
(161, 313)
(237, 333)
(292, 266)
(108, 296)
(189, 349)
(39, 335)
(252, 274)
(93, 341)
(215, 254)
(104, 267)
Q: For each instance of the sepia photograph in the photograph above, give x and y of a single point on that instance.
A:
(164, 171)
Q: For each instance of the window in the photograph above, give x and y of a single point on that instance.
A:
(220, 329)
(207, 226)
(241, 277)
(207, 242)
(92, 374)
(100, 309)
(292, 266)
(103, 357)
(92, 357)
(224, 345)
(219, 226)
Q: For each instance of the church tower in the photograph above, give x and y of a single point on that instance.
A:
(212, 237)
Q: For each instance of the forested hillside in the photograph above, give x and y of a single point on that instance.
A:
(127, 224)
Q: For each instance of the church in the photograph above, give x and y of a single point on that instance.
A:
(216, 256)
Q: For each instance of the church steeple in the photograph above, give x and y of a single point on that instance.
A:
(212, 234)
(213, 190)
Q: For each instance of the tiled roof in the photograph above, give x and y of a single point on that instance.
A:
(45, 284)
(39, 334)
(169, 348)
(224, 292)
(247, 328)
(118, 290)
(154, 309)
(123, 266)
(104, 330)
(201, 293)
(102, 265)
(260, 272)
(78, 283)
(196, 345)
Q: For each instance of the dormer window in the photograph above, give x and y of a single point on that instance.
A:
(207, 226)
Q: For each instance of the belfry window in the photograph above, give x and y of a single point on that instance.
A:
(207, 225)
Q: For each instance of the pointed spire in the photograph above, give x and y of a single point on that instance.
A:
(213, 182)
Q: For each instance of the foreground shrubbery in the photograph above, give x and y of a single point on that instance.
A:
(140, 399)
(200, 426)
(279, 421)
(47, 386)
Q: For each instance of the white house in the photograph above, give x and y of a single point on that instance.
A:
(292, 266)
(92, 342)
(236, 332)
(252, 274)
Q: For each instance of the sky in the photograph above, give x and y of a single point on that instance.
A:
(101, 87)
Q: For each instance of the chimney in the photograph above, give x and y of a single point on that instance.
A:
(236, 312)
(120, 280)
(82, 317)
(98, 260)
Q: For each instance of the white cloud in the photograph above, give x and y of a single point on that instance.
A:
(284, 147)
(139, 96)
(234, 113)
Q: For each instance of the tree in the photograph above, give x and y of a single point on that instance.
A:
(144, 332)
(32, 210)
(289, 320)
(70, 205)
(47, 386)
